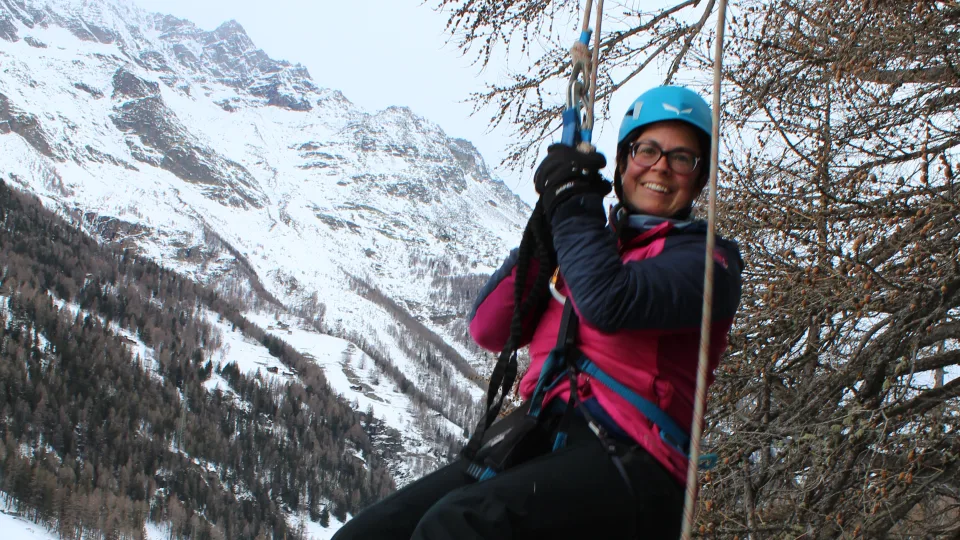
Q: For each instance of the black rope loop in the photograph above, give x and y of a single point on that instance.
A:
(537, 241)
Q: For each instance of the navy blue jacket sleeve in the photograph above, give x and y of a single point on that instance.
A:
(664, 292)
(495, 280)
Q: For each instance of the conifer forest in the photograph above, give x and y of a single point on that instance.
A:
(119, 445)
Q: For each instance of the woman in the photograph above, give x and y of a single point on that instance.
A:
(636, 287)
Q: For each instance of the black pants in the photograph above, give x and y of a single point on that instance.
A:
(576, 492)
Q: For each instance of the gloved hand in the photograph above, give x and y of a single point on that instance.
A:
(567, 172)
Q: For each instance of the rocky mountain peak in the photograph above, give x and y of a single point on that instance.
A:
(232, 29)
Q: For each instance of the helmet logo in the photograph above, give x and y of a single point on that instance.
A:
(636, 109)
(673, 109)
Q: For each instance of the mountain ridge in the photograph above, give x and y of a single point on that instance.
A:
(197, 150)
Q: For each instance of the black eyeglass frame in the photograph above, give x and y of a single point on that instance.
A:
(660, 153)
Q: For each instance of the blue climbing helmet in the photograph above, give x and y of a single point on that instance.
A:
(667, 103)
(660, 104)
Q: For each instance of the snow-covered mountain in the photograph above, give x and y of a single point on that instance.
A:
(235, 169)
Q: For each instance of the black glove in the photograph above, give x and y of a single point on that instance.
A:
(567, 172)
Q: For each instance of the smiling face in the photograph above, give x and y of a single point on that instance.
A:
(657, 189)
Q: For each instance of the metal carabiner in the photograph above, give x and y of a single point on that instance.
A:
(576, 94)
(577, 132)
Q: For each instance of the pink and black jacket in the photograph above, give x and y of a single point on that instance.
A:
(639, 300)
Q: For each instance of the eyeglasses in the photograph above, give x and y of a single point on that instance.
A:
(646, 154)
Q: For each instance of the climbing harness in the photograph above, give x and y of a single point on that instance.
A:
(567, 362)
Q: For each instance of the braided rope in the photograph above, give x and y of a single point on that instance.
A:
(535, 242)
(702, 366)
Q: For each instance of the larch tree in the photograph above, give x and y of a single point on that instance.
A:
(835, 411)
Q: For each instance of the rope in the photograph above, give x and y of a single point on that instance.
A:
(579, 54)
(701, 396)
(594, 66)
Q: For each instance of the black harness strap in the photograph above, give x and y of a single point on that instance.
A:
(566, 345)
(497, 380)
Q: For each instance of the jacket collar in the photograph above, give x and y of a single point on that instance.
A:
(638, 224)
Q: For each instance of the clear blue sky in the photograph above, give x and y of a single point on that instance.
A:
(378, 53)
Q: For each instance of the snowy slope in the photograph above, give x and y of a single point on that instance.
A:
(18, 528)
